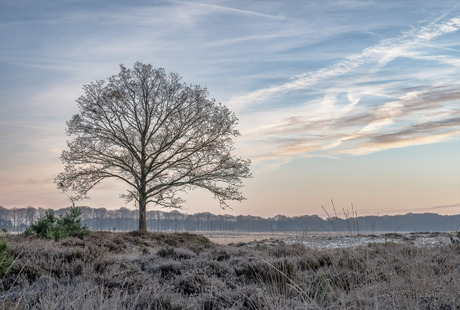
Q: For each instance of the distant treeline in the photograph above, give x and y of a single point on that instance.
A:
(124, 219)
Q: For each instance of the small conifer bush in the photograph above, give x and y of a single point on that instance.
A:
(57, 228)
(6, 259)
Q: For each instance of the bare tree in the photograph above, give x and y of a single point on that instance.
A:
(155, 133)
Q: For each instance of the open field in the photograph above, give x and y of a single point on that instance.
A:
(330, 240)
(186, 271)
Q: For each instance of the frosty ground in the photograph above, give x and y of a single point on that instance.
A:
(107, 270)
(331, 240)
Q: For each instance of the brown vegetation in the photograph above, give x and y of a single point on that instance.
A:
(186, 271)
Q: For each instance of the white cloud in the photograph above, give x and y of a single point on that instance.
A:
(382, 53)
(371, 103)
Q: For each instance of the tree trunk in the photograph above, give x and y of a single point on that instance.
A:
(142, 192)
(142, 214)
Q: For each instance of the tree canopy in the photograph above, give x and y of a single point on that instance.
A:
(155, 133)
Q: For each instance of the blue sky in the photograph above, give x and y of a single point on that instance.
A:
(356, 101)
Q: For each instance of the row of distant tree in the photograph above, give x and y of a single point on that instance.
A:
(124, 219)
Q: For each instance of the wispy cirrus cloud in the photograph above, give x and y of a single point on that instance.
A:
(363, 103)
(228, 9)
(423, 117)
(380, 54)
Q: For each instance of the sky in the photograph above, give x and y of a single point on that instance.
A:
(344, 102)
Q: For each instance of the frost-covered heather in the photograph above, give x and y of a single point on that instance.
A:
(186, 271)
(335, 241)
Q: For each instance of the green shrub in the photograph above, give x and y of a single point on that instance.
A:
(56, 228)
(6, 259)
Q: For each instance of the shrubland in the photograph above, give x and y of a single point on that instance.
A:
(134, 270)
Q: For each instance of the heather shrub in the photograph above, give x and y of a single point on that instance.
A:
(220, 255)
(111, 271)
(57, 228)
(175, 253)
(192, 283)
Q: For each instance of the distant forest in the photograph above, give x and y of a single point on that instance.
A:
(124, 219)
